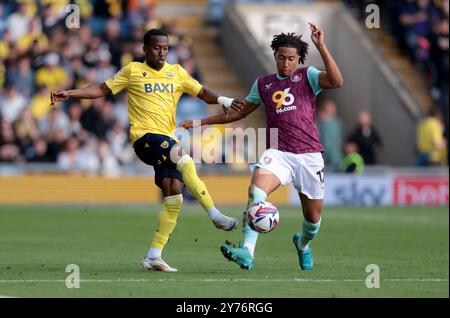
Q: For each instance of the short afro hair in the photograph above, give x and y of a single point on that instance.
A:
(291, 40)
(153, 32)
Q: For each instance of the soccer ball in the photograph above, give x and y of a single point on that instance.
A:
(263, 217)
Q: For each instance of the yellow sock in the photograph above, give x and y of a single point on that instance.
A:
(196, 186)
(167, 220)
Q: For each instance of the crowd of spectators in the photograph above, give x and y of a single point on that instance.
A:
(39, 54)
(421, 29)
(347, 151)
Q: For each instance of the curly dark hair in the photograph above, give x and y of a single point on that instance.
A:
(153, 32)
(291, 40)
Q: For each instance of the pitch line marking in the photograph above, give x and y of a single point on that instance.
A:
(215, 280)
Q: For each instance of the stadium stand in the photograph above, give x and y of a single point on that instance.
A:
(38, 54)
(378, 83)
(414, 39)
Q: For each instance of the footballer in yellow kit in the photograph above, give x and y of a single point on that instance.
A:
(154, 88)
(153, 96)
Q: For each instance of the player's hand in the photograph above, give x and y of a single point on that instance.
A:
(316, 34)
(58, 96)
(187, 124)
(237, 105)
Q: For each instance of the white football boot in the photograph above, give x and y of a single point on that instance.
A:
(228, 223)
(157, 264)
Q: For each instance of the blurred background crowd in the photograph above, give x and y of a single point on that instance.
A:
(420, 28)
(39, 54)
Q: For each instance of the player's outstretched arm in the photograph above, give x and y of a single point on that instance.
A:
(231, 116)
(332, 77)
(212, 98)
(88, 92)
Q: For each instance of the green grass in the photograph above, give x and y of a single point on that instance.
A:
(410, 246)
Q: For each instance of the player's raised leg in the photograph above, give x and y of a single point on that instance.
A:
(312, 210)
(186, 165)
(165, 223)
(263, 183)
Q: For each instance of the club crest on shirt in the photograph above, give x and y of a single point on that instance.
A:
(164, 144)
(296, 78)
(267, 160)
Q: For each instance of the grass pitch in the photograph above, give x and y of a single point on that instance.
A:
(409, 245)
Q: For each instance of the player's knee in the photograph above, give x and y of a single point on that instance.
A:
(313, 215)
(176, 188)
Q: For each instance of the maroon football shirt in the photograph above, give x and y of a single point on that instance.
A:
(290, 106)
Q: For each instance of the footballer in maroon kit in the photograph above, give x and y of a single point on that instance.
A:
(295, 155)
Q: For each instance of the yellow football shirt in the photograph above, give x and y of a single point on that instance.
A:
(430, 139)
(153, 96)
(429, 133)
